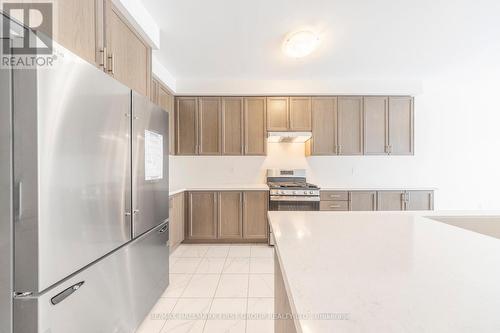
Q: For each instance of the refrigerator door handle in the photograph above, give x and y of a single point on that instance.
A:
(66, 293)
(19, 213)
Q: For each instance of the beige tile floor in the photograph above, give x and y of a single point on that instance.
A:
(216, 289)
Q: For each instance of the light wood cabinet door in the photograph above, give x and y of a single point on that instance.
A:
(155, 91)
(176, 220)
(350, 126)
(278, 114)
(300, 113)
(232, 126)
(78, 27)
(230, 215)
(376, 125)
(202, 215)
(340, 206)
(166, 102)
(129, 57)
(419, 200)
(186, 128)
(390, 200)
(255, 126)
(324, 126)
(401, 125)
(363, 201)
(209, 111)
(255, 207)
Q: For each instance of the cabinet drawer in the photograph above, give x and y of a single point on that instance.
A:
(334, 205)
(334, 195)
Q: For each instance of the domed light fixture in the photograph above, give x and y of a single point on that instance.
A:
(300, 44)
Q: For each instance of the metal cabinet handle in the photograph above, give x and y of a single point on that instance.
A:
(66, 293)
(128, 214)
(334, 206)
(20, 200)
(334, 195)
(104, 56)
(162, 230)
(111, 61)
(136, 211)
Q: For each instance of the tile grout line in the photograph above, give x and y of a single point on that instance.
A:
(180, 295)
(248, 289)
(213, 296)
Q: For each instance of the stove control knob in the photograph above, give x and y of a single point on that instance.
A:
(311, 192)
(294, 192)
(282, 192)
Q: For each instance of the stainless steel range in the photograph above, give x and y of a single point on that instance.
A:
(289, 190)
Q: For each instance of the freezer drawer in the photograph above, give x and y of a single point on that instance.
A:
(113, 295)
(149, 165)
(71, 169)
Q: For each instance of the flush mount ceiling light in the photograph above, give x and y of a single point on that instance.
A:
(300, 44)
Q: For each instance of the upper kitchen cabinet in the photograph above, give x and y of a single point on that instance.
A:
(79, 23)
(388, 125)
(278, 114)
(155, 91)
(350, 126)
(255, 126)
(400, 126)
(128, 56)
(324, 126)
(209, 110)
(376, 125)
(97, 31)
(186, 129)
(166, 102)
(232, 126)
(300, 113)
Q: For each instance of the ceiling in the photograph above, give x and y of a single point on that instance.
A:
(361, 39)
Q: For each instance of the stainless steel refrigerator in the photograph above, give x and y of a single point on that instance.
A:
(84, 195)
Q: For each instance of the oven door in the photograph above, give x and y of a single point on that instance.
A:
(293, 203)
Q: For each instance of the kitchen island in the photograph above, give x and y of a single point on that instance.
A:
(383, 272)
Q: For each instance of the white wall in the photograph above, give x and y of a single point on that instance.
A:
(457, 149)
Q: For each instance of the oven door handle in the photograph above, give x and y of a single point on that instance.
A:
(294, 199)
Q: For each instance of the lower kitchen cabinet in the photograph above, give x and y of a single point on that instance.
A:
(202, 216)
(255, 207)
(363, 201)
(341, 206)
(419, 200)
(227, 216)
(176, 220)
(405, 200)
(390, 200)
(230, 215)
(376, 200)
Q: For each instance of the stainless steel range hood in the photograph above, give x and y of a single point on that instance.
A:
(288, 137)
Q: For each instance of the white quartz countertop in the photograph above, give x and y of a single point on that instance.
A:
(224, 187)
(388, 271)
